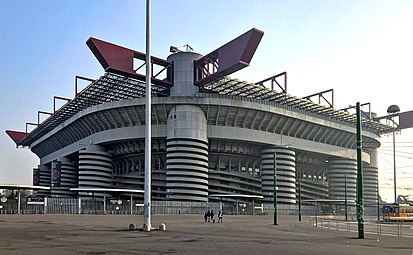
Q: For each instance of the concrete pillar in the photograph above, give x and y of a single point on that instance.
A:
(44, 174)
(370, 179)
(339, 172)
(184, 73)
(285, 162)
(95, 169)
(187, 154)
(68, 179)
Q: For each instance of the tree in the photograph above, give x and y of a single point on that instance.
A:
(405, 199)
(14, 193)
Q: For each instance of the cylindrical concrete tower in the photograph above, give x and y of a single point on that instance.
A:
(340, 172)
(44, 180)
(187, 154)
(95, 169)
(285, 163)
(370, 180)
(184, 73)
(68, 179)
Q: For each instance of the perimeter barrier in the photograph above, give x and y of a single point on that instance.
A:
(400, 228)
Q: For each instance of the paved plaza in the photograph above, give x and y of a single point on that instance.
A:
(186, 234)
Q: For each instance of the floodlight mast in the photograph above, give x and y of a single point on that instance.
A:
(148, 125)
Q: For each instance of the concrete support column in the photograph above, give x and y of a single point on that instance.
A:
(42, 172)
(370, 179)
(342, 177)
(95, 169)
(68, 179)
(187, 154)
(184, 73)
(285, 162)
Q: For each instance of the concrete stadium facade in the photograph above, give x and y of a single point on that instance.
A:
(209, 143)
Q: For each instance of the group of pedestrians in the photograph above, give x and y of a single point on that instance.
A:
(209, 216)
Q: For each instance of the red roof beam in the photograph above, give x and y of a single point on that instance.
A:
(228, 58)
(16, 136)
(119, 60)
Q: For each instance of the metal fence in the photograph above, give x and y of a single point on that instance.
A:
(11, 207)
(117, 206)
(380, 228)
(126, 206)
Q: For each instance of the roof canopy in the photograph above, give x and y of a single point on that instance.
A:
(108, 190)
(20, 186)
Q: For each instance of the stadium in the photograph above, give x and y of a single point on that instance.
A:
(211, 134)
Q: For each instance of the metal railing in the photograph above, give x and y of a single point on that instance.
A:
(404, 229)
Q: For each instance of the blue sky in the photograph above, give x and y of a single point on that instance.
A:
(361, 49)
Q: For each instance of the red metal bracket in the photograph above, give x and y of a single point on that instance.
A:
(273, 80)
(119, 60)
(42, 112)
(16, 136)
(228, 58)
(363, 113)
(321, 96)
(60, 98)
(77, 77)
(31, 124)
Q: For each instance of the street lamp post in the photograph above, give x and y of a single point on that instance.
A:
(148, 126)
(300, 175)
(378, 202)
(393, 110)
(275, 191)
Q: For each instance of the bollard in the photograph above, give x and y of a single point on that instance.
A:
(162, 227)
(146, 227)
(132, 226)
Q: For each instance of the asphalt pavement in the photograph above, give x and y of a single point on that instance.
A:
(185, 234)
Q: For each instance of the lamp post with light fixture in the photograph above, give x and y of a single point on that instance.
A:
(393, 111)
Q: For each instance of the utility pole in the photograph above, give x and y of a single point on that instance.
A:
(360, 212)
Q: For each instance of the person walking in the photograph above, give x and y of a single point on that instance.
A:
(208, 214)
(220, 216)
(212, 216)
(205, 216)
